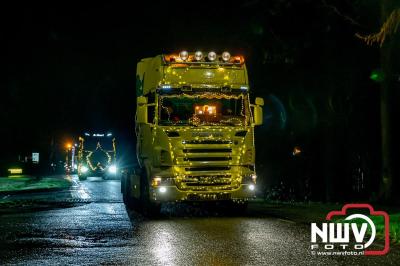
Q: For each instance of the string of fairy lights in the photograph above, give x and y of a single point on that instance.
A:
(195, 119)
(88, 159)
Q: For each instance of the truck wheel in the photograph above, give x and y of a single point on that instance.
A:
(127, 197)
(82, 177)
(123, 178)
(150, 208)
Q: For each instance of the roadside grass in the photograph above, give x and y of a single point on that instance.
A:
(394, 226)
(28, 183)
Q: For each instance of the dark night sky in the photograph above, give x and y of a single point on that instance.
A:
(71, 67)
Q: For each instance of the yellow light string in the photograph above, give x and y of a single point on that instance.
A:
(208, 95)
(389, 27)
(114, 149)
(88, 161)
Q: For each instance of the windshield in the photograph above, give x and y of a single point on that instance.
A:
(204, 109)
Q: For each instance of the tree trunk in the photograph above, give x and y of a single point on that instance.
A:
(388, 57)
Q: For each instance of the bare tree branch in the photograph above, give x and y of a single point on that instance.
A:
(389, 27)
(346, 17)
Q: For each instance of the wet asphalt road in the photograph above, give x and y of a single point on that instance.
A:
(96, 229)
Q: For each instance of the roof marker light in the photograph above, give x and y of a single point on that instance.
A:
(166, 86)
(238, 59)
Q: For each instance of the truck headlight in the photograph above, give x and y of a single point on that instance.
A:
(112, 169)
(84, 169)
(252, 187)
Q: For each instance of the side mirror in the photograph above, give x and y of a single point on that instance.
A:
(258, 112)
(141, 110)
(141, 100)
(259, 101)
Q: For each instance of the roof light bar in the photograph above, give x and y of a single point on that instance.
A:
(199, 57)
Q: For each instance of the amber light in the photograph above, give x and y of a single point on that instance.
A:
(206, 110)
(238, 59)
(156, 181)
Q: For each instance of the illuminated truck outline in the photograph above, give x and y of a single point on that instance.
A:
(87, 167)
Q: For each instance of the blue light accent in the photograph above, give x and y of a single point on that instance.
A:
(166, 87)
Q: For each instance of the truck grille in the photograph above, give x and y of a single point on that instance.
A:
(207, 164)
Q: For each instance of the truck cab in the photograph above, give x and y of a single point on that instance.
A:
(195, 130)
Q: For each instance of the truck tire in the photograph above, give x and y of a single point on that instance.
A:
(150, 208)
(130, 201)
(123, 178)
(82, 177)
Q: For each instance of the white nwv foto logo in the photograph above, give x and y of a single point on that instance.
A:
(340, 232)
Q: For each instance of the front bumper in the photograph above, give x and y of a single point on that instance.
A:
(173, 194)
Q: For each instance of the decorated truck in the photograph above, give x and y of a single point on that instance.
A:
(97, 156)
(195, 132)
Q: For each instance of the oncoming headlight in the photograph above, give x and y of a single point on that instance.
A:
(112, 169)
(84, 169)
